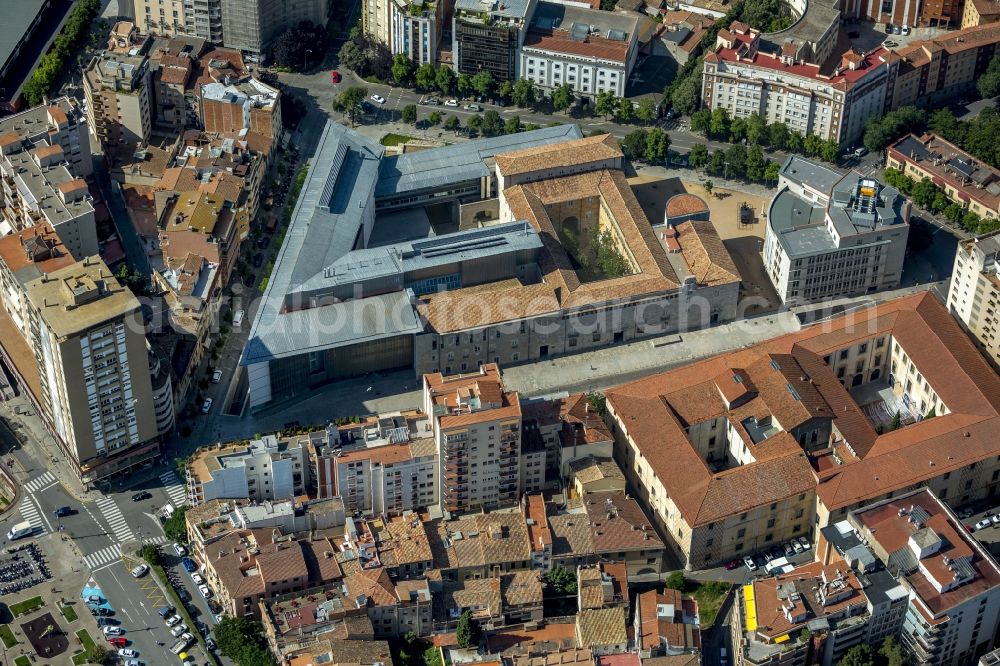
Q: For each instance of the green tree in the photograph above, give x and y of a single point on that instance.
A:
(685, 97)
(717, 165)
(464, 85)
(410, 113)
(944, 123)
(755, 163)
(812, 145)
(512, 125)
(233, 633)
(606, 104)
(737, 130)
(482, 83)
(675, 581)
(562, 97)
(794, 142)
(351, 56)
(777, 135)
(432, 657)
(492, 123)
(736, 158)
(623, 113)
(830, 151)
(475, 123)
(897, 421)
(402, 68)
(859, 655)
(633, 144)
(657, 145)
(444, 79)
(771, 172)
(880, 132)
(701, 121)
(709, 186)
(561, 579)
(646, 110)
(174, 527)
(151, 554)
(892, 652)
(425, 77)
(506, 90)
(468, 632)
(434, 118)
(698, 157)
(524, 94)
(988, 83)
(97, 654)
(452, 123)
(719, 125)
(756, 129)
(350, 101)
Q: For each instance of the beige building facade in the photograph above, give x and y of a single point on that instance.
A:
(119, 99)
(975, 291)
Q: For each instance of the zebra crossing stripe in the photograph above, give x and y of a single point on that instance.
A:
(43, 481)
(29, 512)
(115, 519)
(175, 490)
(107, 555)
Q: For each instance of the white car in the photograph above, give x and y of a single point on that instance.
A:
(187, 637)
(172, 620)
(133, 662)
(127, 652)
(205, 592)
(805, 543)
(198, 579)
(112, 630)
(451, 102)
(983, 524)
(378, 99)
(180, 550)
(206, 406)
(750, 564)
(140, 571)
(238, 317)
(996, 519)
(178, 630)
(217, 376)
(797, 545)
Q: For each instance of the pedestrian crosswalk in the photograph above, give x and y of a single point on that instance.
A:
(113, 553)
(174, 488)
(30, 513)
(116, 521)
(40, 482)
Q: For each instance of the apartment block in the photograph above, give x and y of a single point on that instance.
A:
(203, 18)
(61, 123)
(975, 290)
(488, 36)
(160, 17)
(477, 430)
(979, 12)
(266, 469)
(929, 72)
(806, 419)
(591, 50)
(120, 99)
(971, 183)
(251, 25)
(86, 333)
(239, 109)
(802, 81)
(494, 602)
(831, 234)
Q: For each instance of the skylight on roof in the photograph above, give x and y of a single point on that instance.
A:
(795, 394)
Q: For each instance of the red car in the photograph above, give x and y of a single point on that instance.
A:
(734, 564)
(117, 641)
(335, 76)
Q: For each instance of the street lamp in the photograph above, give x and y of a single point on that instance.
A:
(305, 58)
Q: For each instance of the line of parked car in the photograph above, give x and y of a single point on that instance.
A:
(987, 521)
(764, 558)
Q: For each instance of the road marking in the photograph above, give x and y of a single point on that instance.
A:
(115, 519)
(40, 482)
(175, 490)
(104, 556)
(30, 513)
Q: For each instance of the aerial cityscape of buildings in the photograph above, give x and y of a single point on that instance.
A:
(441, 347)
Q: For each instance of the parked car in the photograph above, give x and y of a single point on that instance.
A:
(140, 571)
(789, 549)
(172, 620)
(749, 563)
(210, 644)
(806, 545)
(238, 317)
(216, 376)
(178, 630)
(127, 652)
(906, 29)
(983, 524)
(206, 406)
(133, 662)
(965, 513)
(451, 102)
(735, 564)
(187, 637)
(796, 545)
(165, 612)
(63, 511)
(432, 101)
(378, 99)
(179, 549)
(205, 592)
(112, 631)
(472, 107)
(117, 641)
(860, 152)
(198, 579)
(189, 565)
(258, 260)
(334, 76)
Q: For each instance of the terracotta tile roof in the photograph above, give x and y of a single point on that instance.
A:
(591, 592)
(590, 469)
(655, 410)
(601, 627)
(521, 588)
(618, 523)
(570, 534)
(564, 154)
(706, 256)
(374, 584)
(595, 47)
(481, 596)
(538, 530)
(986, 7)
(282, 562)
(685, 204)
(674, 660)
(496, 538)
(39, 246)
(408, 541)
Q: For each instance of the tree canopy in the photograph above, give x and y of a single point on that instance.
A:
(468, 633)
(297, 46)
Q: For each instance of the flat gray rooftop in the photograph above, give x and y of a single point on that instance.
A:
(817, 176)
(799, 225)
(550, 15)
(517, 9)
(427, 169)
(18, 15)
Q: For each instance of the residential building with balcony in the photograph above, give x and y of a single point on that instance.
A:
(120, 99)
(251, 25)
(494, 602)
(831, 234)
(591, 50)
(61, 123)
(416, 28)
(797, 79)
(965, 180)
(249, 110)
(387, 479)
(979, 12)
(477, 430)
(266, 469)
(203, 18)
(159, 17)
(974, 292)
(487, 36)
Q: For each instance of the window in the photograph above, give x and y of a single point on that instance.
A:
(770, 523)
(741, 533)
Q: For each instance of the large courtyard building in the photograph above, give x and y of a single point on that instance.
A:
(452, 258)
(808, 421)
(975, 289)
(831, 234)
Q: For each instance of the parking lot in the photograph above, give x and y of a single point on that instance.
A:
(976, 515)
